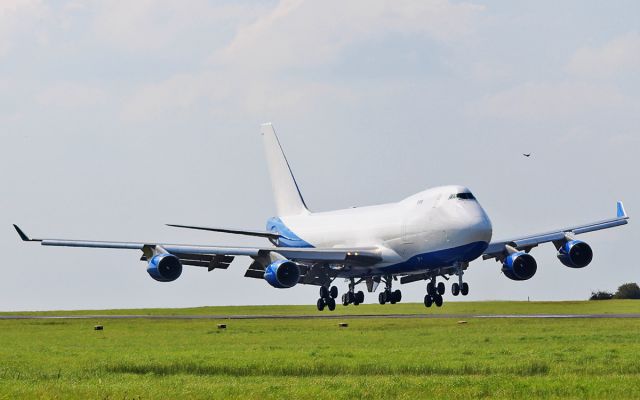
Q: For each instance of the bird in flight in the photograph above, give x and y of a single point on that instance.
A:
(526, 155)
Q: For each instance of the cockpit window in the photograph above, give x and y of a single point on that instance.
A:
(462, 196)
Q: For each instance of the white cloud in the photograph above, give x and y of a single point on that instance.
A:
(550, 100)
(18, 17)
(303, 34)
(618, 56)
(250, 73)
(149, 25)
(71, 95)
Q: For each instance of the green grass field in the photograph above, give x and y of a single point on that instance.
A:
(372, 358)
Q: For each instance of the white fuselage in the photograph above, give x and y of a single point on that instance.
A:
(430, 229)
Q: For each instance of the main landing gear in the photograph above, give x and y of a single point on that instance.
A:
(352, 297)
(327, 298)
(389, 296)
(435, 290)
(434, 293)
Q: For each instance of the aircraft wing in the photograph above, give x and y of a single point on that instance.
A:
(498, 249)
(221, 256)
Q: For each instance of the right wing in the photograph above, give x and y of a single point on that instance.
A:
(214, 257)
(498, 249)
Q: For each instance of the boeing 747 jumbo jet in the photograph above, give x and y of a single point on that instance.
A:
(431, 235)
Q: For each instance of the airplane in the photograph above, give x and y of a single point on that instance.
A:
(433, 234)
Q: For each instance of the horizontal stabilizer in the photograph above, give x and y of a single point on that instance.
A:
(269, 235)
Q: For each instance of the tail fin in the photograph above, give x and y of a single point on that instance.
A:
(287, 195)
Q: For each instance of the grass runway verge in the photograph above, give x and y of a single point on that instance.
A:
(371, 358)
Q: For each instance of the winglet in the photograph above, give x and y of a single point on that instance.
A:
(621, 213)
(23, 236)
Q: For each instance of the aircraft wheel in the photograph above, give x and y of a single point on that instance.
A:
(441, 288)
(455, 289)
(345, 299)
(431, 288)
(324, 292)
(382, 298)
(333, 292)
(320, 304)
(464, 289)
(397, 296)
(360, 297)
(428, 301)
(438, 300)
(331, 303)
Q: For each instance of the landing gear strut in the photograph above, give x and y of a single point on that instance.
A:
(327, 298)
(352, 297)
(389, 296)
(460, 287)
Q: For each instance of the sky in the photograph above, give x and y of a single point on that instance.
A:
(117, 117)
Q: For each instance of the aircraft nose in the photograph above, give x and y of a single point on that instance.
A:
(480, 224)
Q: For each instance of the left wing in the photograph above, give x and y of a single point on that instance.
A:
(502, 248)
(214, 257)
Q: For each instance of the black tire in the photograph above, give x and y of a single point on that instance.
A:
(351, 298)
(381, 298)
(464, 289)
(430, 289)
(324, 292)
(360, 296)
(397, 296)
(345, 299)
(320, 304)
(428, 301)
(438, 300)
(333, 292)
(455, 289)
(331, 303)
(441, 288)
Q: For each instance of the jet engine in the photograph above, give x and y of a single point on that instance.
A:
(282, 274)
(519, 266)
(575, 254)
(165, 267)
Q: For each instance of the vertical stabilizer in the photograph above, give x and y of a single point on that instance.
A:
(285, 189)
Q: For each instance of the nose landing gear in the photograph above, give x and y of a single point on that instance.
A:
(459, 287)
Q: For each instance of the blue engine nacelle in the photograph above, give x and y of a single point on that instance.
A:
(575, 254)
(165, 267)
(519, 266)
(282, 274)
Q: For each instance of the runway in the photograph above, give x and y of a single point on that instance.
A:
(323, 316)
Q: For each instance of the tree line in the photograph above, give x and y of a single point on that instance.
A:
(626, 291)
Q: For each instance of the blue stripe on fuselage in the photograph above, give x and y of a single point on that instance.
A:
(440, 258)
(288, 238)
